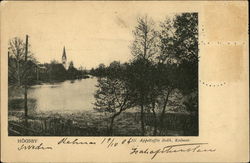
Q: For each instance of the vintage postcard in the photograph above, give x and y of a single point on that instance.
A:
(124, 81)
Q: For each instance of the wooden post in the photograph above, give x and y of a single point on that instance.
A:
(25, 82)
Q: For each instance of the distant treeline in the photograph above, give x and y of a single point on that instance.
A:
(31, 72)
(55, 71)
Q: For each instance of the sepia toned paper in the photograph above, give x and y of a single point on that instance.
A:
(88, 30)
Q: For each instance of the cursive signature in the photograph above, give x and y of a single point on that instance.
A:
(33, 147)
(192, 147)
(74, 141)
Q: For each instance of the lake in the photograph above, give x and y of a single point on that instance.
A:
(75, 95)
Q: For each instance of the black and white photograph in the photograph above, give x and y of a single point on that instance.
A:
(75, 72)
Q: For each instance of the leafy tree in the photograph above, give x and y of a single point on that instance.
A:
(186, 52)
(179, 45)
(163, 84)
(176, 72)
(72, 71)
(112, 96)
(56, 71)
(114, 70)
(100, 71)
(138, 79)
(54, 62)
(179, 38)
(179, 54)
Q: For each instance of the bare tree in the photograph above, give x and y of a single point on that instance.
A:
(144, 45)
(18, 67)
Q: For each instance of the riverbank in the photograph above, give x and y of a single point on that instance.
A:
(92, 123)
(87, 123)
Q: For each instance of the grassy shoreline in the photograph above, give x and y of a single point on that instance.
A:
(91, 123)
(86, 123)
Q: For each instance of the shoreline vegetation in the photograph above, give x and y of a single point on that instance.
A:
(91, 123)
(153, 94)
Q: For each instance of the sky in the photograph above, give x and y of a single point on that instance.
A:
(92, 32)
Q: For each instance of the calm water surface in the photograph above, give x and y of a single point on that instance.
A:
(77, 95)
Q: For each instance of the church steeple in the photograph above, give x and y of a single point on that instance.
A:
(64, 53)
(64, 58)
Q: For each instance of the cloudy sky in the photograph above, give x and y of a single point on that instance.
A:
(92, 32)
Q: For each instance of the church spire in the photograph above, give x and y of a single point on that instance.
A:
(64, 53)
(64, 58)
